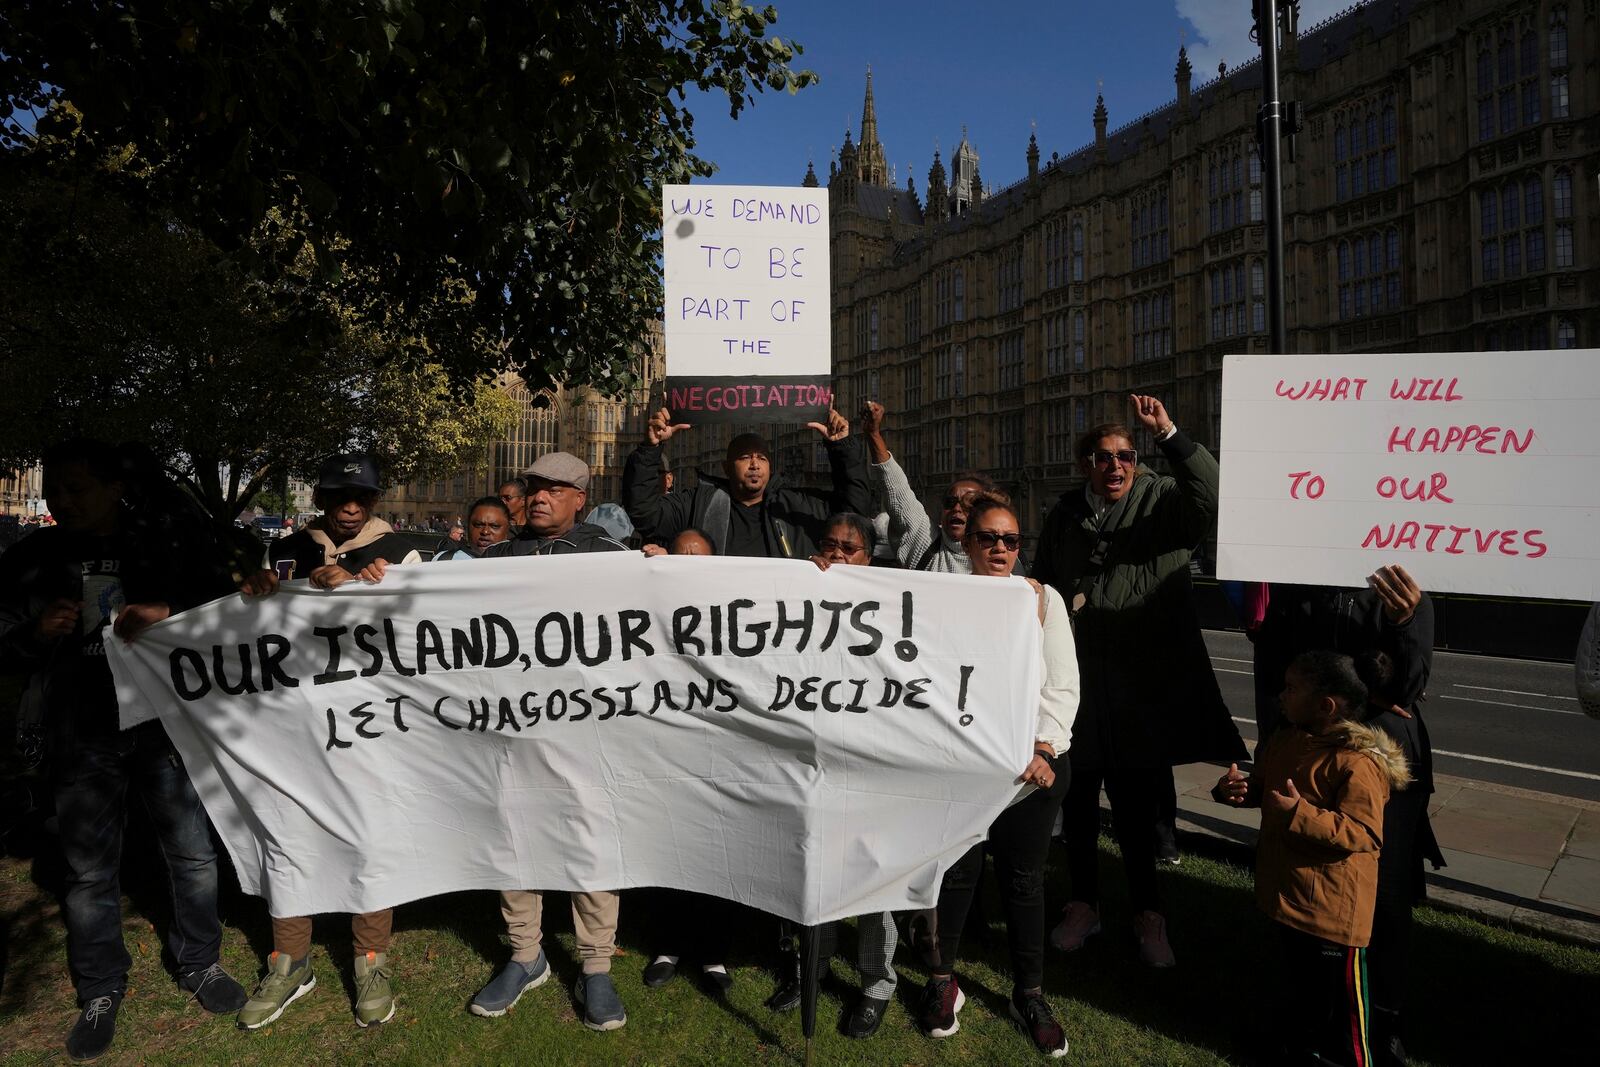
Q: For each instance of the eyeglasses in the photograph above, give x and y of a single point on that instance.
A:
(1125, 456)
(849, 548)
(988, 539)
(964, 500)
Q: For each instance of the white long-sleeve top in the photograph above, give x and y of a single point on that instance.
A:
(1058, 690)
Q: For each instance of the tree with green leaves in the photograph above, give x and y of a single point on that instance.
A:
(127, 325)
(455, 169)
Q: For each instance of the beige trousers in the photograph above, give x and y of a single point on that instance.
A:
(594, 920)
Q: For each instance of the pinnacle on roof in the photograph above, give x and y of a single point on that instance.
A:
(874, 166)
(869, 114)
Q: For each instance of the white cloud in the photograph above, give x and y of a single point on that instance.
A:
(1222, 30)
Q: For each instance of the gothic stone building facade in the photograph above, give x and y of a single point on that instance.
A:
(1443, 199)
(598, 429)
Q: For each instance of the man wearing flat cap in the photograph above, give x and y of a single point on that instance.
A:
(747, 512)
(558, 490)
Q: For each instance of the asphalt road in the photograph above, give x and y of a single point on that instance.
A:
(1512, 721)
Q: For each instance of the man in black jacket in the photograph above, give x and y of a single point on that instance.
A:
(342, 543)
(746, 514)
(334, 547)
(558, 491)
(102, 574)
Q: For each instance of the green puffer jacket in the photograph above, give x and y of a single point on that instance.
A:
(1149, 697)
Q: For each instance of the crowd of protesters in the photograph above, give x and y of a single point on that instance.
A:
(1342, 770)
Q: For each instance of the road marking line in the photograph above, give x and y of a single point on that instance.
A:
(1233, 659)
(1513, 692)
(1476, 657)
(1482, 658)
(1230, 670)
(1519, 766)
(1486, 759)
(1503, 704)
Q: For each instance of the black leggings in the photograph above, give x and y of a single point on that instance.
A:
(693, 925)
(1019, 840)
(1399, 875)
(1136, 795)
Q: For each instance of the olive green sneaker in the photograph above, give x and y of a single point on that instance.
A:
(281, 986)
(374, 998)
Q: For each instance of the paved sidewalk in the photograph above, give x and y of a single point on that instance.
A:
(1529, 860)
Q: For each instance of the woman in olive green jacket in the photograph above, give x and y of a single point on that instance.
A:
(1118, 552)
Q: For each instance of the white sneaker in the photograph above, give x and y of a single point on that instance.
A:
(1079, 921)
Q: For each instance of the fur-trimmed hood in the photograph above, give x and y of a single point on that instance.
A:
(1377, 746)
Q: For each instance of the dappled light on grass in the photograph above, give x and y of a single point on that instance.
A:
(1115, 1011)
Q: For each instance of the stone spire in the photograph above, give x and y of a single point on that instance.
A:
(963, 175)
(938, 192)
(1100, 117)
(1033, 155)
(1183, 76)
(849, 173)
(873, 169)
(810, 181)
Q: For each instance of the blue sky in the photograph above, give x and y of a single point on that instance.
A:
(995, 68)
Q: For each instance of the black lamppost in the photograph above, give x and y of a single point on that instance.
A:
(1273, 122)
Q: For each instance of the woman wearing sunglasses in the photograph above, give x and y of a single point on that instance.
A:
(1019, 840)
(1118, 551)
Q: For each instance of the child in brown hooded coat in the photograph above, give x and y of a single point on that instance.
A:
(1321, 786)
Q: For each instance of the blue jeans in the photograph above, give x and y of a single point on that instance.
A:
(91, 807)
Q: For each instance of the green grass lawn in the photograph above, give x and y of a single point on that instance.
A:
(1484, 995)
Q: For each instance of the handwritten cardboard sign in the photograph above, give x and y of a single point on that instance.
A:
(816, 745)
(1479, 472)
(747, 304)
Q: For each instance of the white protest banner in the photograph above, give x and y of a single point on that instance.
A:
(747, 303)
(1479, 472)
(816, 745)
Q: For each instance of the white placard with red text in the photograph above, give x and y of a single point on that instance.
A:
(1479, 472)
(748, 325)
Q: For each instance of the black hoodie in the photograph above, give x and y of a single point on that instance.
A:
(103, 574)
(786, 524)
